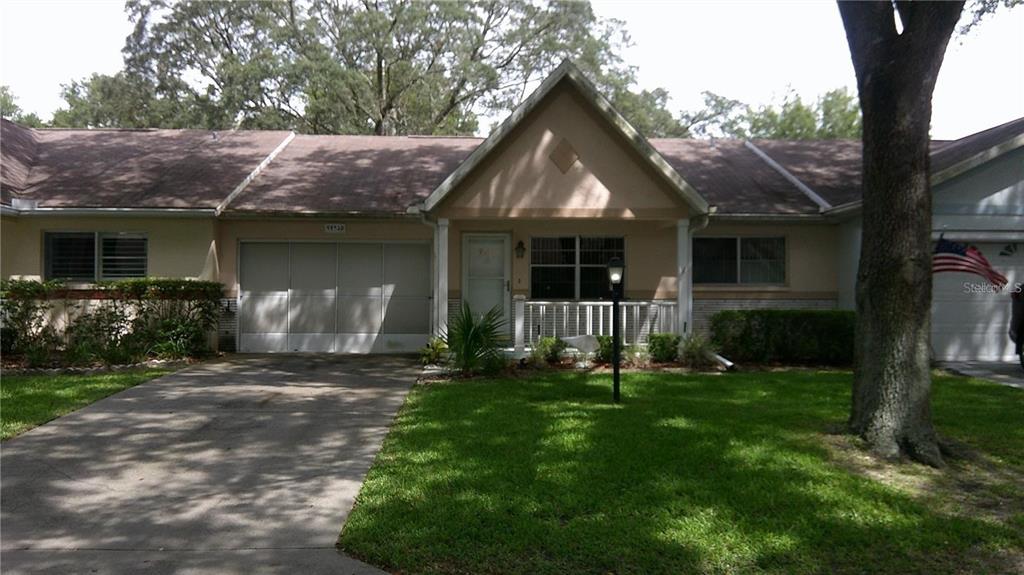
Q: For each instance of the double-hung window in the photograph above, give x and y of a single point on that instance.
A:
(739, 261)
(92, 256)
(572, 267)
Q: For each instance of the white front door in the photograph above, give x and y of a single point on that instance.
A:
(486, 273)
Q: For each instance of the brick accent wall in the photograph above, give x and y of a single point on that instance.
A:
(703, 309)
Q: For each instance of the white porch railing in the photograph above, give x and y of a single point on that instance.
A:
(569, 318)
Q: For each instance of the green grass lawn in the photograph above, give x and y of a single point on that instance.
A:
(690, 474)
(30, 400)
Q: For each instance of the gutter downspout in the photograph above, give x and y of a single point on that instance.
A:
(434, 319)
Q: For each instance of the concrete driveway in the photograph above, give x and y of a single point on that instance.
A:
(1004, 372)
(243, 465)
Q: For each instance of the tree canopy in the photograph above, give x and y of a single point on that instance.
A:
(366, 67)
(10, 110)
(834, 115)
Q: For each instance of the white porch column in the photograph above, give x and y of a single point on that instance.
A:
(684, 278)
(441, 281)
(519, 315)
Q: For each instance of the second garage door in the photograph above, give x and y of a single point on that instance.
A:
(343, 297)
(970, 322)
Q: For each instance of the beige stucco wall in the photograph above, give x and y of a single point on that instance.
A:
(811, 268)
(519, 180)
(178, 247)
(651, 255)
(231, 232)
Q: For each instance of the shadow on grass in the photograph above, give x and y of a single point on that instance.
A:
(688, 474)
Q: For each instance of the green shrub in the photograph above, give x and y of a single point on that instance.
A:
(25, 312)
(6, 340)
(495, 364)
(663, 347)
(132, 319)
(696, 351)
(100, 334)
(176, 338)
(548, 350)
(475, 341)
(808, 337)
(434, 352)
(604, 349)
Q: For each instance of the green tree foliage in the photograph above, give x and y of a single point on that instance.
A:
(345, 66)
(123, 100)
(835, 115)
(10, 110)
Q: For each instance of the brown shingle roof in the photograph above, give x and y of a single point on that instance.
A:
(17, 150)
(829, 167)
(353, 174)
(136, 168)
(733, 178)
(388, 175)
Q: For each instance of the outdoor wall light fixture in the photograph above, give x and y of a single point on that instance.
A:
(616, 269)
(520, 250)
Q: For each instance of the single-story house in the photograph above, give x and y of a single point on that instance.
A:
(368, 244)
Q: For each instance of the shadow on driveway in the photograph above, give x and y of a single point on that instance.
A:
(248, 464)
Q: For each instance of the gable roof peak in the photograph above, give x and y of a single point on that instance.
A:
(568, 72)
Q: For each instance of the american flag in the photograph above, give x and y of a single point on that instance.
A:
(956, 257)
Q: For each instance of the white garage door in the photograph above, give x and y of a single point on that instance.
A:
(333, 297)
(968, 324)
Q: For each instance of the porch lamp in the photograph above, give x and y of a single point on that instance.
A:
(520, 250)
(616, 269)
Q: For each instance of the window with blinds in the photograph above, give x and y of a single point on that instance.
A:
(122, 256)
(91, 256)
(739, 260)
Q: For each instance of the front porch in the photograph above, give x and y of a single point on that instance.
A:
(511, 265)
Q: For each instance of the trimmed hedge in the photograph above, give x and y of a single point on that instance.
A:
(124, 322)
(808, 337)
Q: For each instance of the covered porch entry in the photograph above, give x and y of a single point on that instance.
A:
(530, 219)
(549, 278)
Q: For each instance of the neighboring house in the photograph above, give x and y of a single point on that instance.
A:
(368, 244)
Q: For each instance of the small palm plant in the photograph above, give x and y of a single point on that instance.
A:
(475, 341)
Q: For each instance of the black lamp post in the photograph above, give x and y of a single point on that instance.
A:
(616, 270)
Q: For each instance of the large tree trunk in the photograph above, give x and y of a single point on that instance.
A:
(896, 75)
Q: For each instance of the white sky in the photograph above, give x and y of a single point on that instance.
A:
(750, 51)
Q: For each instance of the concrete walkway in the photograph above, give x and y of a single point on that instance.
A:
(1006, 373)
(246, 465)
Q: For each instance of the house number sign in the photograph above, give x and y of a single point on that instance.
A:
(334, 228)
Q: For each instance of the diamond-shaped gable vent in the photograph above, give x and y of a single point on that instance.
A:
(564, 155)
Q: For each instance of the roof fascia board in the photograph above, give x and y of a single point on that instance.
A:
(566, 70)
(753, 218)
(116, 212)
(255, 172)
(978, 159)
(229, 215)
(807, 191)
